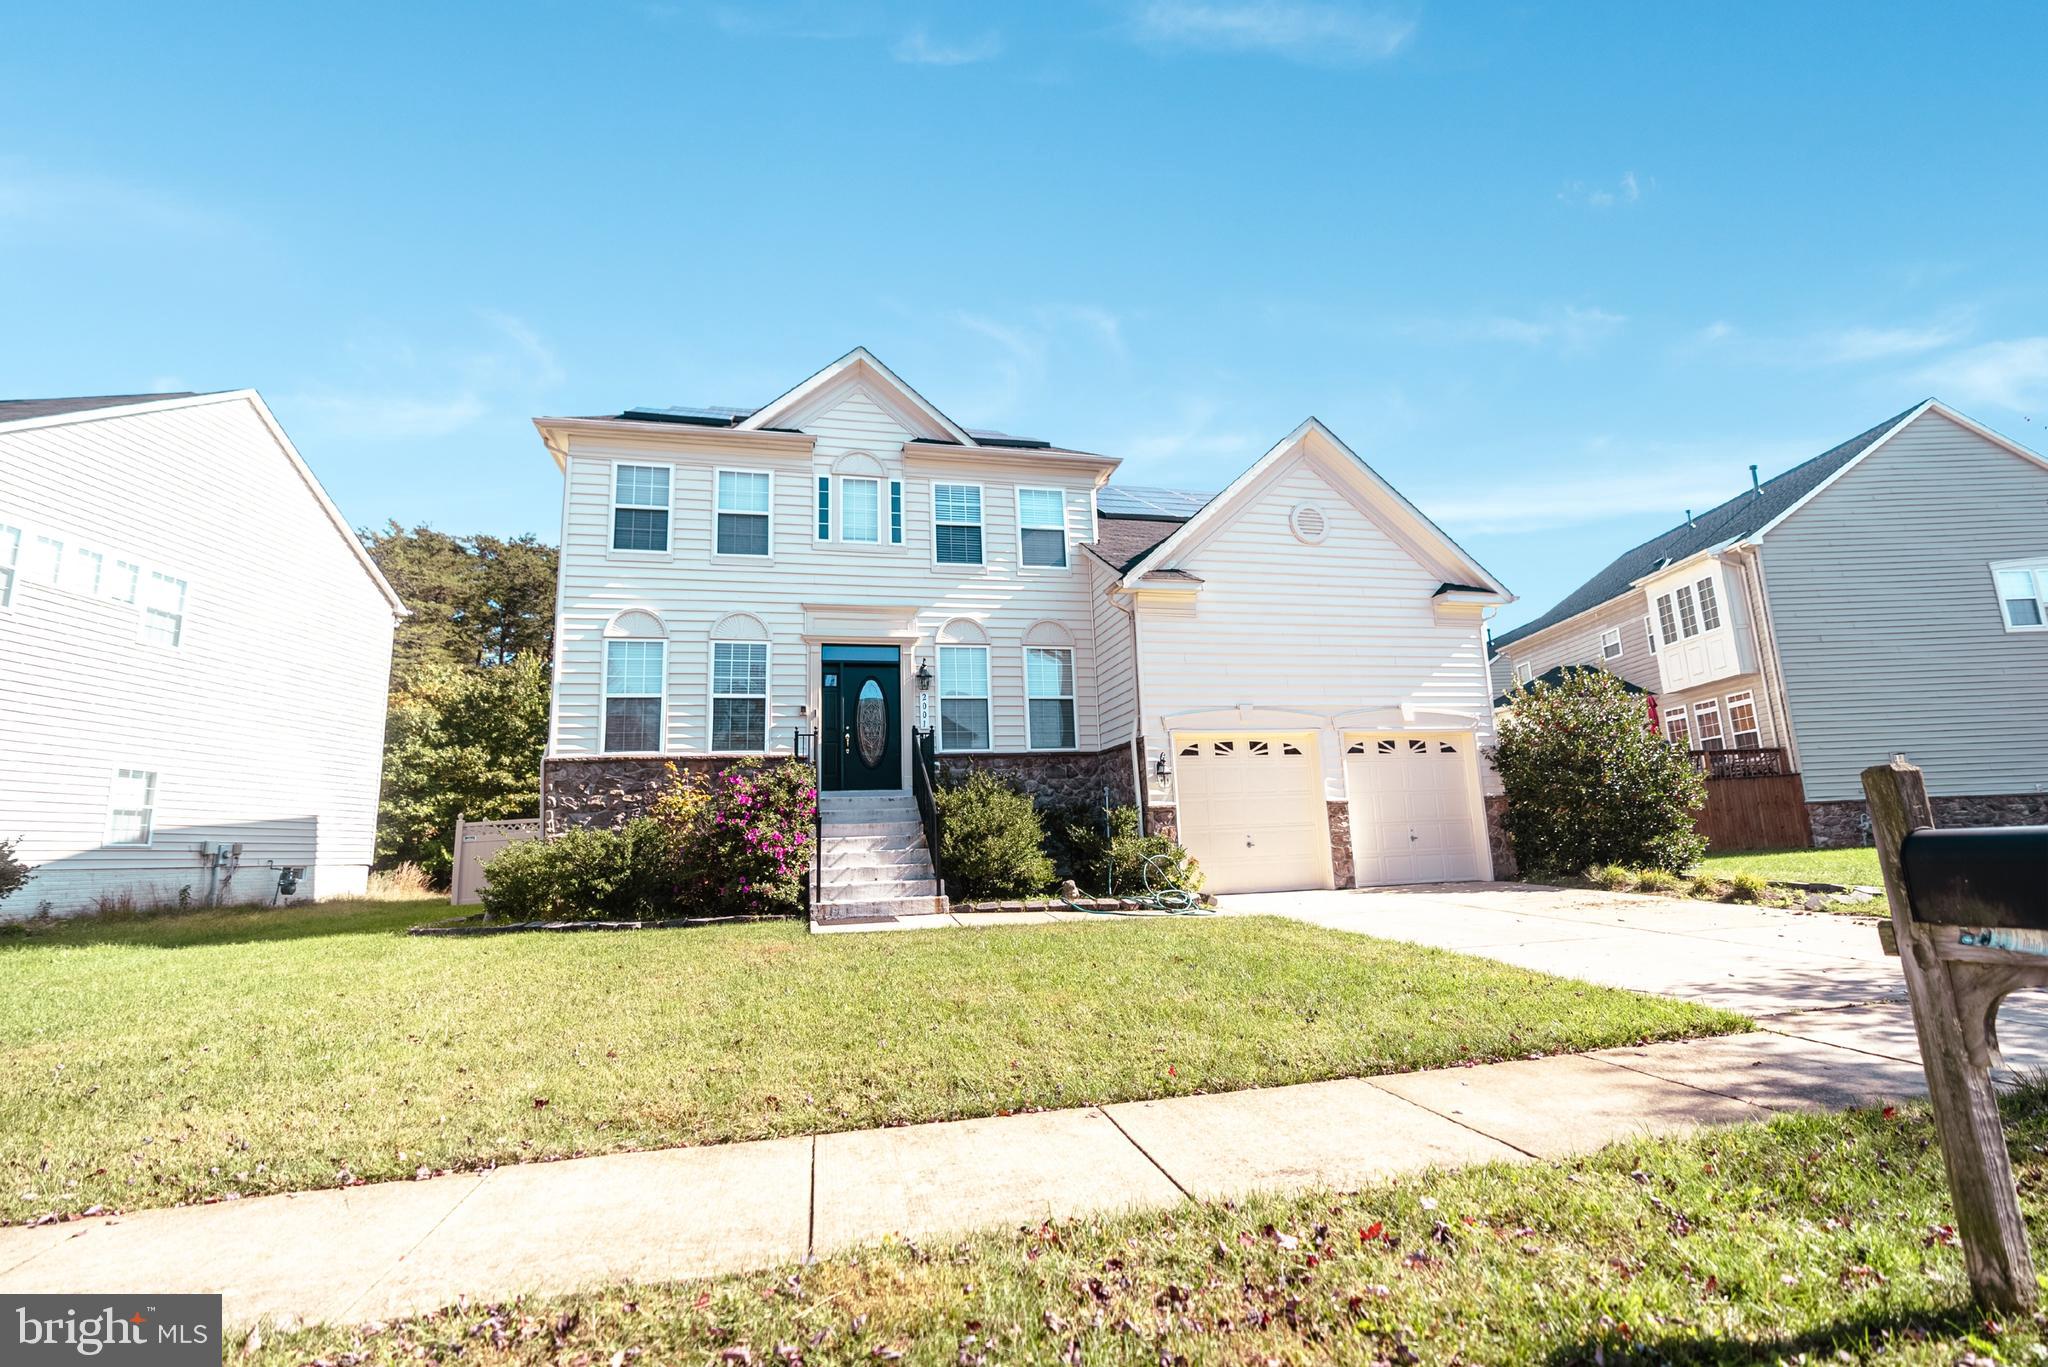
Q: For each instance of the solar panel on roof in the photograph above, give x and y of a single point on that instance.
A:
(1130, 500)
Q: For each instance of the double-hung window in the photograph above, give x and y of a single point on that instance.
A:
(10, 556)
(1525, 673)
(131, 808)
(2022, 592)
(1675, 726)
(163, 609)
(124, 582)
(743, 500)
(1049, 696)
(1688, 619)
(1042, 527)
(1742, 720)
(963, 698)
(640, 507)
(1666, 619)
(45, 560)
(1710, 607)
(633, 689)
(860, 510)
(1706, 724)
(1610, 644)
(85, 571)
(956, 524)
(739, 695)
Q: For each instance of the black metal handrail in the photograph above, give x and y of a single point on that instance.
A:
(924, 779)
(807, 748)
(1742, 762)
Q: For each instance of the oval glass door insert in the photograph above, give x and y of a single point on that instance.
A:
(871, 724)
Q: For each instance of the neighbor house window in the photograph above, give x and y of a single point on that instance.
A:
(956, 524)
(1610, 644)
(1650, 634)
(633, 687)
(1742, 720)
(739, 695)
(45, 559)
(1525, 672)
(85, 570)
(1049, 694)
(1042, 527)
(860, 510)
(963, 698)
(124, 581)
(1710, 608)
(640, 507)
(1688, 620)
(2022, 592)
(1706, 724)
(1675, 726)
(743, 512)
(10, 555)
(131, 811)
(1667, 619)
(163, 610)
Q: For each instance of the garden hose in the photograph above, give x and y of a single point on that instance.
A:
(1166, 901)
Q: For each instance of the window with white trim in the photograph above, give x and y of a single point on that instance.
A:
(1525, 672)
(1688, 619)
(45, 561)
(956, 524)
(1675, 726)
(1710, 607)
(1666, 619)
(1610, 644)
(1650, 632)
(131, 807)
(85, 570)
(1049, 697)
(640, 507)
(163, 609)
(1042, 527)
(739, 695)
(860, 510)
(124, 582)
(963, 698)
(634, 674)
(10, 556)
(2022, 593)
(1742, 723)
(1706, 725)
(743, 502)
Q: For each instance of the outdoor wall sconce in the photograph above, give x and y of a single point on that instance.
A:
(924, 676)
(1159, 769)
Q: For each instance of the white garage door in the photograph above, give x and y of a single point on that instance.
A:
(1251, 810)
(1412, 817)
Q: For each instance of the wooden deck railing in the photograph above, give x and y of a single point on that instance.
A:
(1764, 763)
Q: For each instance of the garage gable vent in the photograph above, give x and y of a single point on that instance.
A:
(1309, 524)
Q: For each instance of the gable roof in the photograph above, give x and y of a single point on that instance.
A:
(15, 410)
(1121, 542)
(863, 362)
(1409, 523)
(1744, 515)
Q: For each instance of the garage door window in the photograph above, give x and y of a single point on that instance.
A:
(1049, 689)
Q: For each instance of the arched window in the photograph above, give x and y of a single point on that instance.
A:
(635, 683)
(963, 686)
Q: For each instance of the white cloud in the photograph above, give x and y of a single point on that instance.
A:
(919, 48)
(404, 391)
(1320, 34)
(1028, 350)
(1852, 345)
(2012, 374)
(1192, 435)
(1571, 328)
(1663, 479)
(1627, 190)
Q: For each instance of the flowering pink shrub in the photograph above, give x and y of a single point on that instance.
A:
(741, 840)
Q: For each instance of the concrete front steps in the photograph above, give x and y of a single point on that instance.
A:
(875, 866)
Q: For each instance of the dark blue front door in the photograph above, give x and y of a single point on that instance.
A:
(861, 717)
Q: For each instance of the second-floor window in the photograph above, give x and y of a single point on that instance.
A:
(739, 695)
(1688, 617)
(1710, 608)
(1650, 633)
(1742, 720)
(633, 689)
(1667, 618)
(2022, 592)
(963, 698)
(956, 524)
(163, 610)
(743, 500)
(1042, 527)
(1610, 644)
(1049, 696)
(639, 507)
(860, 511)
(1706, 725)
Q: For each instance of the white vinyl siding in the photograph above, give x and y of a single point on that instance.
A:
(1042, 527)
(745, 500)
(963, 698)
(2023, 595)
(640, 508)
(131, 808)
(634, 689)
(739, 696)
(1049, 697)
(1115, 661)
(957, 533)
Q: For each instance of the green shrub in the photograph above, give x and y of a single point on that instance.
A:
(1105, 856)
(991, 840)
(1589, 783)
(584, 875)
(1747, 887)
(1658, 880)
(13, 873)
(1613, 877)
(1703, 886)
(741, 843)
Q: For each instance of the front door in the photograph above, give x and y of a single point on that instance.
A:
(862, 719)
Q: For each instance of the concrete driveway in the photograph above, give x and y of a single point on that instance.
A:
(1814, 974)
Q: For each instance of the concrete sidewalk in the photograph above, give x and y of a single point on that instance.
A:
(376, 1252)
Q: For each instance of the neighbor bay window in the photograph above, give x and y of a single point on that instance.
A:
(963, 698)
(743, 501)
(739, 695)
(634, 675)
(1710, 610)
(956, 524)
(1049, 694)
(1688, 619)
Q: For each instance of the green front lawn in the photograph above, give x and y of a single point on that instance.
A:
(1850, 868)
(1810, 1239)
(159, 1060)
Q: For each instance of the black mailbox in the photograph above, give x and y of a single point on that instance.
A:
(1972, 877)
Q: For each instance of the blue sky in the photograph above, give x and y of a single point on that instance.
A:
(1558, 272)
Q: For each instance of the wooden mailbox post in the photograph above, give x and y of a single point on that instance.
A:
(1970, 918)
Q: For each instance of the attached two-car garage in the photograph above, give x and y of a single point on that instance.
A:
(1251, 809)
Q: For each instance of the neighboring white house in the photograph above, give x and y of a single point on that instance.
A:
(1889, 595)
(1290, 674)
(194, 651)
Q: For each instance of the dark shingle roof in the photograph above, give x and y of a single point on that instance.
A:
(1123, 541)
(12, 410)
(717, 415)
(1554, 677)
(1738, 517)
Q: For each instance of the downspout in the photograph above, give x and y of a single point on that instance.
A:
(1752, 560)
(1139, 792)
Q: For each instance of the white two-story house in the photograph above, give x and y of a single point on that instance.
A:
(1889, 595)
(1290, 675)
(194, 651)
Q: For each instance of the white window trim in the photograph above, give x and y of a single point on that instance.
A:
(981, 498)
(1667, 619)
(1683, 718)
(1065, 530)
(2038, 567)
(1610, 637)
(668, 511)
(605, 695)
(987, 699)
(1073, 699)
(717, 554)
(881, 484)
(12, 569)
(1684, 595)
(1708, 707)
(143, 575)
(1748, 696)
(1650, 630)
(1706, 593)
(155, 785)
(712, 695)
(1525, 672)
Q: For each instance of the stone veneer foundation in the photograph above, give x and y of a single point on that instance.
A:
(1053, 779)
(1497, 843)
(1840, 824)
(1342, 868)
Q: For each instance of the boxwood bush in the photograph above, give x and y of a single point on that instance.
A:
(992, 843)
(1104, 853)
